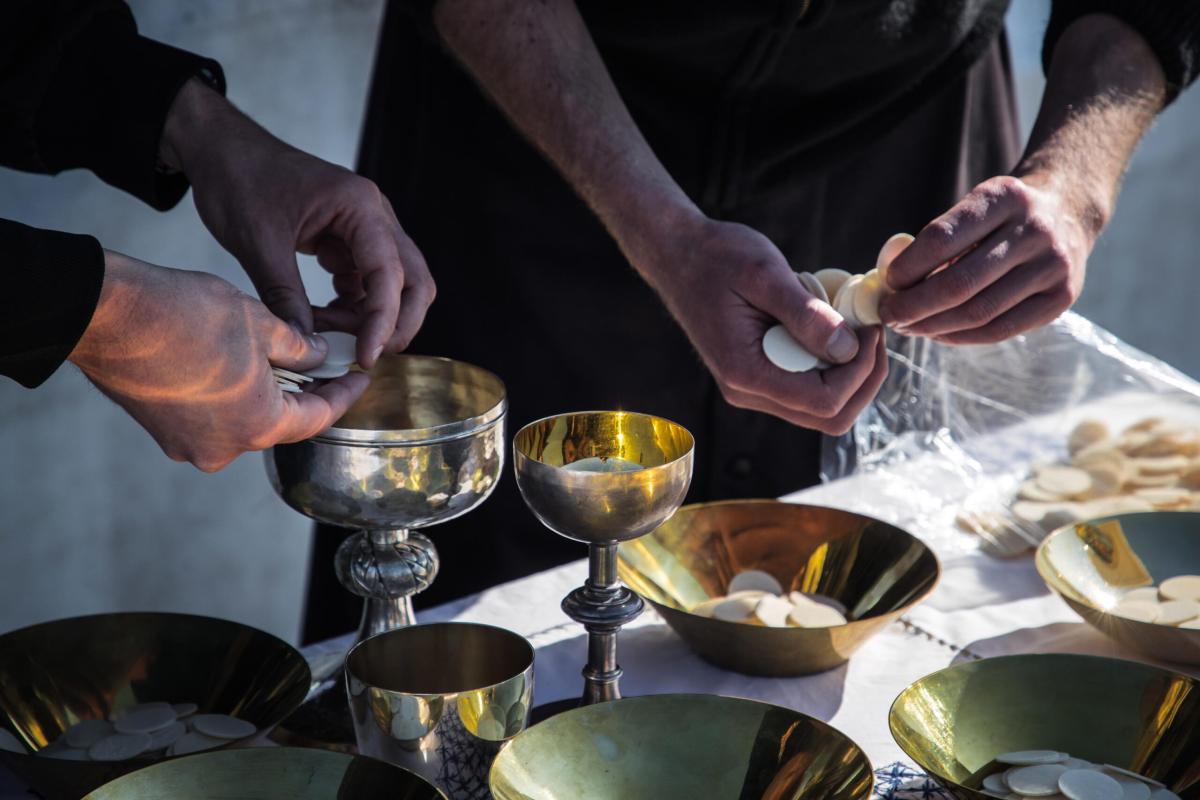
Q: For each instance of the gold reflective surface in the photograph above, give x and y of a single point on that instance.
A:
(681, 747)
(876, 570)
(269, 773)
(58, 673)
(1091, 564)
(603, 506)
(441, 699)
(1131, 715)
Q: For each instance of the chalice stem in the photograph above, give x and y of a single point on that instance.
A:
(603, 606)
(386, 568)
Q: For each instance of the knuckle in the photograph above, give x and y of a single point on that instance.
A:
(961, 283)
(981, 310)
(824, 406)
(940, 232)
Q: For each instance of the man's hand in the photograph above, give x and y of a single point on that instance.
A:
(726, 284)
(1015, 255)
(1011, 255)
(189, 357)
(264, 201)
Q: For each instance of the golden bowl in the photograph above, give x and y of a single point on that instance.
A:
(58, 673)
(681, 747)
(603, 506)
(1124, 713)
(1090, 564)
(877, 571)
(269, 773)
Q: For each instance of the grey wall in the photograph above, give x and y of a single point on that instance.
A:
(93, 517)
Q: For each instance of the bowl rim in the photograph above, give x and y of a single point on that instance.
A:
(649, 697)
(69, 765)
(747, 501)
(434, 434)
(521, 457)
(892, 714)
(1042, 563)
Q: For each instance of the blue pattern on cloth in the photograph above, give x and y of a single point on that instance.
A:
(901, 782)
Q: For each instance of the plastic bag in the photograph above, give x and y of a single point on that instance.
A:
(983, 416)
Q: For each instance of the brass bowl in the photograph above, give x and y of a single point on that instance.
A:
(1125, 713)
(603, 506)
(269, 773)
(681, 747)
(423, 445)
(1090, 564)
(54, 674)
(876, 570)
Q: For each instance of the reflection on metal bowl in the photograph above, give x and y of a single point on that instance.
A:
(876, 570)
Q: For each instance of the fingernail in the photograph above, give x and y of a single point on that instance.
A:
(378, 352)
(842, 345)
(317, 341)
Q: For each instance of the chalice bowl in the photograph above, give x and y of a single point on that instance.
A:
(424, 444)
(603, 477)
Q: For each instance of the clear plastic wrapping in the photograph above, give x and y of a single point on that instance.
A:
(983, 416)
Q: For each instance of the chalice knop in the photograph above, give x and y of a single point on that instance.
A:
(603, 477)
(423, 445)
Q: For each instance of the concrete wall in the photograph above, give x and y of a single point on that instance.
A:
(94, 518)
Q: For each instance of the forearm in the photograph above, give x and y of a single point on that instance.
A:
(538, 63)
(1105, 86)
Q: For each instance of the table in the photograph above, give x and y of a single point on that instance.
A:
(982, 607)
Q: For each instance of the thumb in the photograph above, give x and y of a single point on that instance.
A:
(288, 347)
(276, 277)
(813, 323)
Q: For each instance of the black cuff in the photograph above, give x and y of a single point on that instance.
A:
(49, 288)
(1171, 27)
(115, 130)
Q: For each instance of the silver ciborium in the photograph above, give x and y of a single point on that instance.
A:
(424, 444)
(603, 477)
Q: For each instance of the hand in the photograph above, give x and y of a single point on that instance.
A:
(1007, 258)
(189, 357)
(264, 201)
(726, 284)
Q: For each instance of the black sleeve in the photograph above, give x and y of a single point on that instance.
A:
(80, 88)
(1172, 27)
(49, 285)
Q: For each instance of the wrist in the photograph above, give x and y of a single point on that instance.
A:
(1089, 198)
(188, 128)
(653, 235)
(114, 308)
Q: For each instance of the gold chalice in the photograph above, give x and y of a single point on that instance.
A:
(603, 477)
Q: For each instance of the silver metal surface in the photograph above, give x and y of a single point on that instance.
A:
(441, 700)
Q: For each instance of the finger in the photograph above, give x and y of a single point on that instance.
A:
(949, 236)
(836, 425)
(1034, 312)
(333, 256)
(336, 317)
(374, 251)
(287, 347)
(814, 324)
(419, 291)
(276, 277)
(305, 414)
(821, 394)
(999, 253)
(1005, 294)
(348, 286)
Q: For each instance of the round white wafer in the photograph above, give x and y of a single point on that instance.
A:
(773, 611)
(1087, 433)
(87, 732)
(1032, 490)
(1064, 481)
(1176, 612)
(1163, 794)
(145, 720)
(815, 616)
(119, 747)
(10, 743)
(1117, 772)
(843, 303)
(735, 609)
(832, 279)
(1181, 587)
(328, 371)
(165, 737)
(1026, 758)
(1139, 611)
(893, 247)
(222, 726)
(1038, 780)
(342, 348)
(995, 783)
(1143, 594)
(754, 580)
(1132, 788)
(1088, 784)
(785, 352)
(866, 298)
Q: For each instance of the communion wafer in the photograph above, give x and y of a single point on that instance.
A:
(1176, 612)
(1088, 784)
(815, 616)
(1086, 433)
(735, 609)
(785, 352)
(832, 279)
(1064, 481)
(893, 247)
(996, 783)
(1181, 587)
(773, 611)
(342, 348)
(87, 732)
(754, 580)
(1038, 780)
(165, 737)
(119, 747)
(866, 298)
(10, 743)
(1140, 611)
(184, 709)
(329, 371)
(222, 726)
(843, 302)
(145, 720)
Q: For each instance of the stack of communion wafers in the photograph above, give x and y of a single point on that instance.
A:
(1152, 464)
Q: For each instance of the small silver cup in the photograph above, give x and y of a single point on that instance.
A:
(441, 699)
